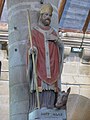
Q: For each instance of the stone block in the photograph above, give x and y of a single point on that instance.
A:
(17, 75)
(84, 70)
(68, 68)
(75, 89)
(4, 88)
(85, 90)
(4, 109)
(4, 70)
(75, 68)
(5, 75)
(4, 99)
(20, 107)
(63, 87)
(4, 117)
(18, 54)
(19, 92)
(23, 116)
(82, 79)
(73, 79)
(3, 54)
(4, 64)
(68, 79)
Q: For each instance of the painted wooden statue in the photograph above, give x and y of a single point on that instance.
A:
(47, 49)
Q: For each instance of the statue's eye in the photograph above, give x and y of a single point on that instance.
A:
(47, 14)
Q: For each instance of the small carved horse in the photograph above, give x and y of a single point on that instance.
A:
(62, 99)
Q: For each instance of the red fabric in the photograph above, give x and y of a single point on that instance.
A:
(38, 41)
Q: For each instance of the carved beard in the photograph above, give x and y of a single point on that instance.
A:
(45, 22)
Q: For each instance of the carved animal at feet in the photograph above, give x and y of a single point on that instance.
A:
(62, 99)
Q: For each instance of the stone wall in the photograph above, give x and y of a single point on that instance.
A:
(4, 87)
(77, 76)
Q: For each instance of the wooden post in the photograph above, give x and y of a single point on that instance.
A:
(1, 6)
(86, 22)
(61, 8)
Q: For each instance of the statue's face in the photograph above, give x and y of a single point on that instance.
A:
(46, 19)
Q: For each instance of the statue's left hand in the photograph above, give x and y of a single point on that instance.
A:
(52, 38)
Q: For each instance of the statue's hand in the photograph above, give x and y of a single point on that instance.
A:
(52, 38)
(33, 50)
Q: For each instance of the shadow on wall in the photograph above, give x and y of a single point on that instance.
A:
(78, 107)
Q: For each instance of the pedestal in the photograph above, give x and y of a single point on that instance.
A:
(47, 114)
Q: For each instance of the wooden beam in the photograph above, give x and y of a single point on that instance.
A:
(1, 6)
(61, 8)
(86, 23)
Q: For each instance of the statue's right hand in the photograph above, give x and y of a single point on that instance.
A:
(33, 50)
